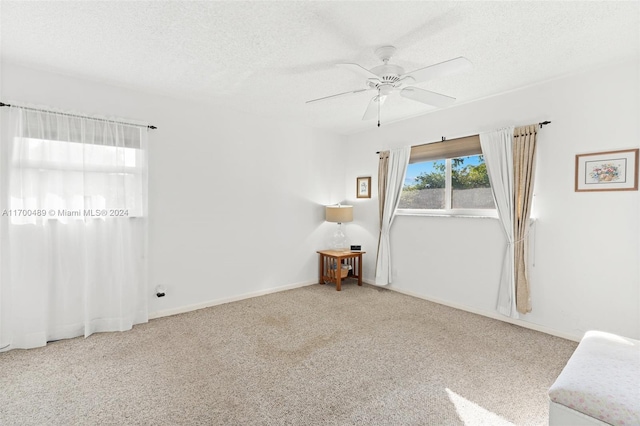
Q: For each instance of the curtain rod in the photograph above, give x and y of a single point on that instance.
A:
(2, 104)
(543, 123)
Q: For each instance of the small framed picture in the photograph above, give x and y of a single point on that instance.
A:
(607, 171)
(363, 187)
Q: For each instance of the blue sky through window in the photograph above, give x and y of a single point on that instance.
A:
(415, 169)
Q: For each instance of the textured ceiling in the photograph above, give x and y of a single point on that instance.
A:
(270, 57)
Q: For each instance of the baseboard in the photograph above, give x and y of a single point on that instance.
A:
(484, 313)
(490, 314)
(195, 307)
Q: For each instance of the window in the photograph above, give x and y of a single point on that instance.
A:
(69, 173)
(70, 176)
(448, 178)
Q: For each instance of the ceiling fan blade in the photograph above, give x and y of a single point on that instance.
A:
(439, 70)
(338, 95)
(427, 97)
(372, 109)
(359, 70)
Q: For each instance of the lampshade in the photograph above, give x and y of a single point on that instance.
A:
(339, 214)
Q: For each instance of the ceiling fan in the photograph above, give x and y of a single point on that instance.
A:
(387, 78)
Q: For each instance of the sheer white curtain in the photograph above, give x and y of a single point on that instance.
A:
(391, 173)
(498, 154)
(73, 196)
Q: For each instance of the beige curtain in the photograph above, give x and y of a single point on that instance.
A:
(524, 162)
(383, 168)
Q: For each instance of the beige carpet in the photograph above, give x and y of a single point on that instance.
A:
(308, 356)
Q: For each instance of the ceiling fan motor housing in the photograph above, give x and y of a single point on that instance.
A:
(388, 72)
(389, 75)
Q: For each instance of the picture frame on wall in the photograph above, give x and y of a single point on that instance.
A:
(363, 187)
(607, 171)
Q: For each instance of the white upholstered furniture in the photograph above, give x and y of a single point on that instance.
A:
(600, 383)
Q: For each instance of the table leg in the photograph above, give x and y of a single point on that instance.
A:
(359, 269)
(338, 274)
(321, 269)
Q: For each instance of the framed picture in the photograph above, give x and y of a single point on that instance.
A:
(363, 187)
(607, 171)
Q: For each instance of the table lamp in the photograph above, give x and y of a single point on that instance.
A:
(339, 214)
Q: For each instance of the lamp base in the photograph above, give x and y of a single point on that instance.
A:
(339, 239)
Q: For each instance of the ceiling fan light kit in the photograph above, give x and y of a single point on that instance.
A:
(388, 78)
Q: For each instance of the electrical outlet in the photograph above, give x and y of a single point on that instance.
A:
(160, 292)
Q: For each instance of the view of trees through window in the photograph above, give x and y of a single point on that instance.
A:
(426, 185)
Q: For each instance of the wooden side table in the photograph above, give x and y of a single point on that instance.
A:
(331, 262)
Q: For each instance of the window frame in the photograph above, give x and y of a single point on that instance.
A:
(446, 151)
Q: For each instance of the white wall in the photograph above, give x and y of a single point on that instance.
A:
(235, 200)
(586, 244)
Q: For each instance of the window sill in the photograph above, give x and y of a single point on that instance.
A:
(461, 214)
